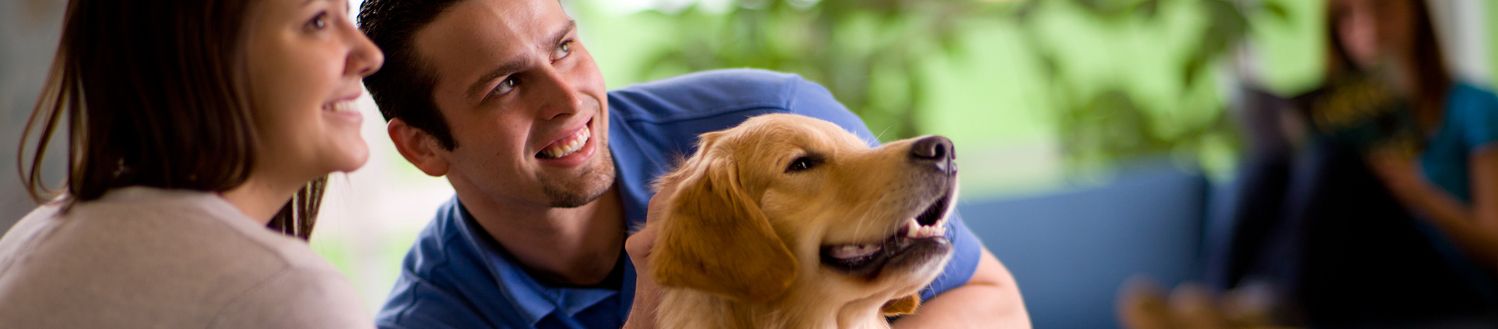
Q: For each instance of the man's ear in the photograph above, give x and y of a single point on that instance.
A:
(418, 147)
(716, 239)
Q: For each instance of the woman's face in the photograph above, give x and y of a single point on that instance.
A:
(305, 60)
(1373, 31)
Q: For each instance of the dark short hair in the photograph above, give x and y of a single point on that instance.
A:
(402, 88)
(152, 94)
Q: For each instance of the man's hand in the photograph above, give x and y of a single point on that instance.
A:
(639, 245)
(990, 299)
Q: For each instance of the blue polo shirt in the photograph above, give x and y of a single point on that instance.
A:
(457, 276)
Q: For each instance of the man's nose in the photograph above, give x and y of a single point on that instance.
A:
(562, 97)
(934, 152)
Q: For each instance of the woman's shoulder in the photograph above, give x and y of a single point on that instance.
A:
(190, 253)
(300, 296)
(1473, 109)
(197, 230)
(201, 218)
(1471, 103)
(1468, 96)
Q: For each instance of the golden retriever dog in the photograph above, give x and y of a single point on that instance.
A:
(792, 222)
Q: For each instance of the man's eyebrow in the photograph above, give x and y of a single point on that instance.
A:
(556, 37)
(509, 66)
(513, 65)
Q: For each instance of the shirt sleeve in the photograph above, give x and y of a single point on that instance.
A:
(1482, 120)
(443, 283)
(297, 298)
(417, 304)
(810, 99)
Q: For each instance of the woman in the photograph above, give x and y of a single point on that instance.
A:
(1389, 215)
(1452, 181)
(192, 127)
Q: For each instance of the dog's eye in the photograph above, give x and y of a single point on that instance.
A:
(802, 164)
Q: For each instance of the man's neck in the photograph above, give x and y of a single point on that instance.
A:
(572, 246)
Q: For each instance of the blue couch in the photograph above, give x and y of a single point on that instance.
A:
(1071, 251)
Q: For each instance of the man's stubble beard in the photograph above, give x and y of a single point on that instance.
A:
(586, 188)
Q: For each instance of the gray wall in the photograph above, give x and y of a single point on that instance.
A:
(1463, 32)
(28, 30)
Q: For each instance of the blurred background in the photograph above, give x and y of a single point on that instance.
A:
(1100, 139)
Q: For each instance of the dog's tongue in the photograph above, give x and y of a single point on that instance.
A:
(853, 251)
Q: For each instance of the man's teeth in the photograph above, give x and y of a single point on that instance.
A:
(567, 147)
(915, 230)
(853, 251)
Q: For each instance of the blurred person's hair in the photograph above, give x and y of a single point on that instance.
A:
(402, 88)
(153, 94)
(1431, 79)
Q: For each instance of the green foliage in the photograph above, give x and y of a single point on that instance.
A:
(869, 53)
(1102, 122)
(872, 55)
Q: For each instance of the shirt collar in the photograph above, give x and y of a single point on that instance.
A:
(513, 283)
(532, 299)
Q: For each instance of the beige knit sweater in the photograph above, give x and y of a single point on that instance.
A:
(151, 258)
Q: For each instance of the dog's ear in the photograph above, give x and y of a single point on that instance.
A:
(715, 238)
(901, 306)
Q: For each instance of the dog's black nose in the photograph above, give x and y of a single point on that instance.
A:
(936, 151)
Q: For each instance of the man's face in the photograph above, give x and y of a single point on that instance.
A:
(524, 101)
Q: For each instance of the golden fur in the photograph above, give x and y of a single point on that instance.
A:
(743, 238)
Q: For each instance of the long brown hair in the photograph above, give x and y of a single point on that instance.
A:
(1431, 80)
(152, 93)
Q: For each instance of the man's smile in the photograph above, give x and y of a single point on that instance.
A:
(570, 150)
(566, 146)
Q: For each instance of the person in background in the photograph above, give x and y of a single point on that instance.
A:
(199, 136)
(1377, 204)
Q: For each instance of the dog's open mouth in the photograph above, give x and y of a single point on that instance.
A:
(917, 237)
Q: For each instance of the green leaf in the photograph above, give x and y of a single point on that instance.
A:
(1195, 63)
(1147, 9)
(1277, 10)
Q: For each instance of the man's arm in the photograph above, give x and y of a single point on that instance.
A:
(990, 299)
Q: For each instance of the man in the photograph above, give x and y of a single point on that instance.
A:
(550, 170)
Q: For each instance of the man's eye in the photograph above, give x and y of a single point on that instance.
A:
(318, 22)
(505, 86)
(563, 49)
(803, 164)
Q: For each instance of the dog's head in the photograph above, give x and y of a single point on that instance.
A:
(787, 205)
